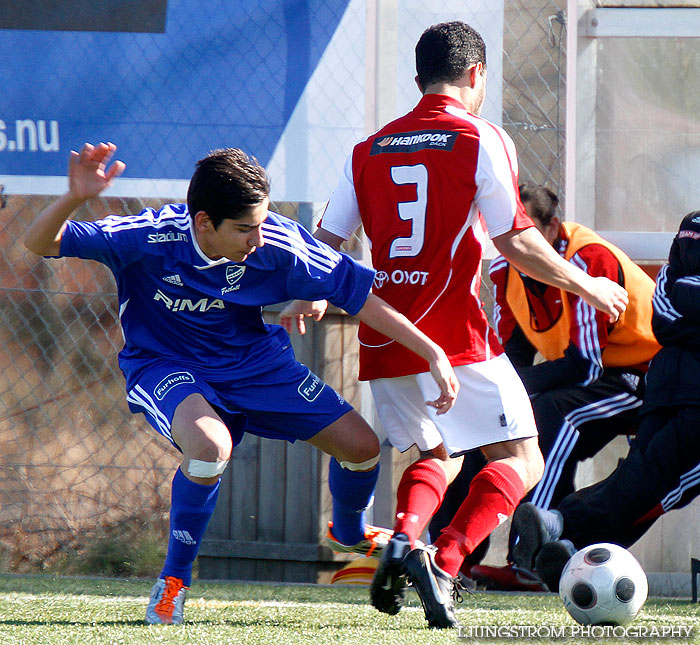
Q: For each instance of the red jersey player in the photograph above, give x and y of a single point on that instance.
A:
(418, 187)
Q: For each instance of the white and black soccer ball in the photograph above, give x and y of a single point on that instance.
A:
(603, 584)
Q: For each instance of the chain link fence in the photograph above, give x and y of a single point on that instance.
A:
(534, 88)
(74, 461)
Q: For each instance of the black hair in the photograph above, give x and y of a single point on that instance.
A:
(226, 184)
(446, 51)
(543, 201)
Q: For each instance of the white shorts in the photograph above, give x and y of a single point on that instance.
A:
(492, 406)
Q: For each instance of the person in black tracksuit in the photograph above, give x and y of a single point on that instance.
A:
(589, 388)
(662, 469)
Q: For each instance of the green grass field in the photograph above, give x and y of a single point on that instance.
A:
(86, 611)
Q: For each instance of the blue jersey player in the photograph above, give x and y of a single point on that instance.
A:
(199, 361)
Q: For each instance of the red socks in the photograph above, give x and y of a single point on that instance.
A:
(419, 495)
(493, 495)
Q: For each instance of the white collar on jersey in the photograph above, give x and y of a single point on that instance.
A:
(462, 113)
(208, 262)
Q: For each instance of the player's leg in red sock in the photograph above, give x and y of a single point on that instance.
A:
(493, 495)
(420, 493)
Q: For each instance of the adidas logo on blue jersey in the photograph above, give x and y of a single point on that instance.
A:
(174, 279)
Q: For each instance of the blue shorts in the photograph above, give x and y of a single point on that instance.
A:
(290, 403)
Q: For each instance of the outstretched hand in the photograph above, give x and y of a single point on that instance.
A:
(88, 176)
(89, 172)
(292, 316)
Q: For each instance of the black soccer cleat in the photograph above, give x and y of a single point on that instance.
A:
(534, 528)
(551, 560)
(436, 588)
(388, 588)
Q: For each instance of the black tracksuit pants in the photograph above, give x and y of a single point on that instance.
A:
(660, 473)
(575, 423)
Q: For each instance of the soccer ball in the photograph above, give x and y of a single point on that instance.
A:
(603, 584)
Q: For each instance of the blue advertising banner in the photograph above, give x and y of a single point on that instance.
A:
(296, 83)
(167, 81)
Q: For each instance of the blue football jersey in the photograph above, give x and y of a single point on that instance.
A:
(177, 304)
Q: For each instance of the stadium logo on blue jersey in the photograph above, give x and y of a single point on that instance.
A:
(156, 238)
(185, 304)
(414, 141)
(171, 381)
(311, 387)
(233, 274)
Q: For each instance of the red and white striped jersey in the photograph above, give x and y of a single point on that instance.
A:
(421, 187)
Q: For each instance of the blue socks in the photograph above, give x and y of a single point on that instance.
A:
(192, 505)
(352, 493)
(191, 508)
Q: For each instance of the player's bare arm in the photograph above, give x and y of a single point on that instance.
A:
(528, 251)
(381, 316)
(384, 318)
(89, 173)
(333, 240)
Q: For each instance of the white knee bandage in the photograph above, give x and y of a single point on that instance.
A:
(206, 469)
(365, 465)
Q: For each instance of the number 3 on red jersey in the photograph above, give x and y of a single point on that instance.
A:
(413, 211)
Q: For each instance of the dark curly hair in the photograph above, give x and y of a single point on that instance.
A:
(447, 50)
(226, 184)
